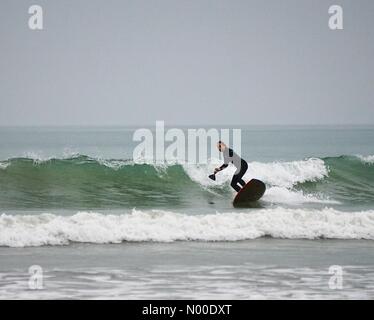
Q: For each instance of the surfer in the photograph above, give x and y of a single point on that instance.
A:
(241, 165)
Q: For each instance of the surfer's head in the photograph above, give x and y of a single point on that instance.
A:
(221, 146)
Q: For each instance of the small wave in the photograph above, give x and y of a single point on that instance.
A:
(167, 226)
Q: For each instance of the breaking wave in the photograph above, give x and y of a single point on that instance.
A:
(81, 182)
(168, 226)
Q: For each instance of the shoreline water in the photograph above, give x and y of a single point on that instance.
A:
(257, 269)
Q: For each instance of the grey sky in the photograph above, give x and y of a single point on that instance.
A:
(186, 62)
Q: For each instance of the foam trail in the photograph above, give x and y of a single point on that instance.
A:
(286, 196)
(167, 226)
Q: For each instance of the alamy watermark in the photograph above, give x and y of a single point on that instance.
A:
(36, 17)
(36, 277)
(336, 279)
(191, 145)
(336, 17)
(35, 21)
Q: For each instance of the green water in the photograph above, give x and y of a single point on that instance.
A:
(91, 168)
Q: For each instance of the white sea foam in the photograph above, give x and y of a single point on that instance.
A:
(4, 165)
(367, 159)
(113, 164)
(288, 174)
(69, 153)
(292, 197)
(283, 174)
(167, 226)
(37, 157)
(279, 176)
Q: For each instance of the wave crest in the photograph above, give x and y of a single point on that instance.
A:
(367, 159)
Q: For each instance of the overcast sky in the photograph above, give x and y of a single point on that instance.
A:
(186, 62)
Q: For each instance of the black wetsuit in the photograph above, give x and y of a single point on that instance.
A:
(241, 167)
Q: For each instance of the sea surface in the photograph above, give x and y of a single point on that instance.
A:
(101, 225)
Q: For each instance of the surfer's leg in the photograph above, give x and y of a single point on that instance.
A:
(234, 183)
(238, 176)
(241, 173)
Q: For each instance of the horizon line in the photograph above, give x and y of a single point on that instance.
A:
(168, 124)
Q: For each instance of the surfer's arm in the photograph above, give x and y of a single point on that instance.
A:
(226, 161)
(224, 166)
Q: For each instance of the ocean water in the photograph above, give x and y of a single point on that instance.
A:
(73, 201)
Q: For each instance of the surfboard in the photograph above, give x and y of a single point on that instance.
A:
(251, 192)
